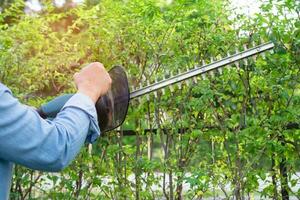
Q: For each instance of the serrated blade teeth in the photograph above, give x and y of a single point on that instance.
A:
(254, 57)
(236, 50)
(228, 66)
(195, 80)
(228, 55)
(139, 100)
(179, 71)
(132, 88)
(237, 64)
(220, 70)
(238, 60)
(148, 97)
(180, 85)
(171, 88)
(188, 82)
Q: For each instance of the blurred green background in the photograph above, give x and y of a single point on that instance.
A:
(233, 135)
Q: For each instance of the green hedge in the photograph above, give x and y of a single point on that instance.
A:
(234, 124)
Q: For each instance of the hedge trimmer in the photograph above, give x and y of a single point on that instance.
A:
(112, 107)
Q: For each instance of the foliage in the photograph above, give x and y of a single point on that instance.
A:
(232, 130)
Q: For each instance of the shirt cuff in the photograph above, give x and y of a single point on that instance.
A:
(85, 103)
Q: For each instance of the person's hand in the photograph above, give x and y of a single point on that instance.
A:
(93, 81)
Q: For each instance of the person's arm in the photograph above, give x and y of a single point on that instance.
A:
(27, 139)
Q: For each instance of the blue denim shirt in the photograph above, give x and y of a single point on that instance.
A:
(29, 140)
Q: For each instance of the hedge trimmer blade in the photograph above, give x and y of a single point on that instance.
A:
(205, 68)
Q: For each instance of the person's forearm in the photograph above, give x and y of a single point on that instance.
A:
(53, 107)
(27, 139)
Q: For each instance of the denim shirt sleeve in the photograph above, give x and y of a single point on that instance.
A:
(84, 103)
(29, 140)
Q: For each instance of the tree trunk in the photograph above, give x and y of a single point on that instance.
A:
(283, 173)
(273, 172)
(284, 180)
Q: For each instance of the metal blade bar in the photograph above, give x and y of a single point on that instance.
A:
(203, 69)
